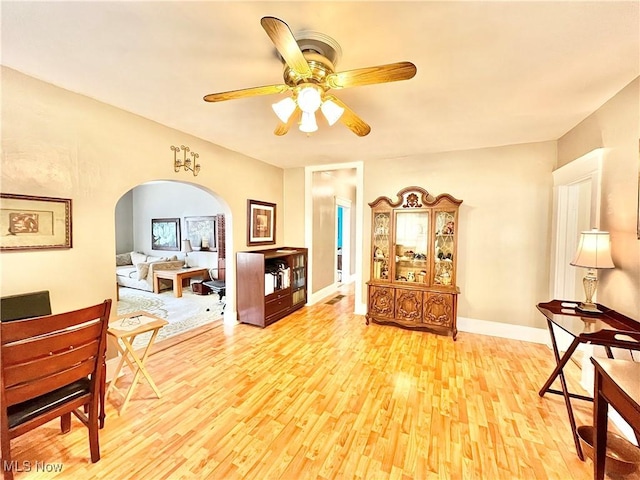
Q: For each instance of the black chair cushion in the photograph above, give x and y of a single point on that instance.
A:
(216, 285)
(25, 411)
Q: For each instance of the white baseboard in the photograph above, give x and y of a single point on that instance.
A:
(494, 329)
(230, 316)
(503, 330)
(361, 309)
(322, 294)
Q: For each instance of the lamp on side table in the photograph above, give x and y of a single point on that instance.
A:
(594, 252)
(186, 248)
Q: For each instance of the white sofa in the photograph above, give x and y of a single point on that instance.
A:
(135, 270)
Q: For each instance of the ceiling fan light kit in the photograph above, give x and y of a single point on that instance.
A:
(308, 123)
(331, 111)
(309, 74)
(284, 108)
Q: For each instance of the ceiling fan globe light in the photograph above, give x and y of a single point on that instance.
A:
(331, 111)
(308, 123)
(284, 108)
(309, 99)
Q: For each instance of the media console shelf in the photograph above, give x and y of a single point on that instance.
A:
(271, 284)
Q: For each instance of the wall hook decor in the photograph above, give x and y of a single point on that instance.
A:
(185, 163)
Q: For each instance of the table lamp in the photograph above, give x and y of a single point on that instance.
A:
(186, 248)
(594, 252)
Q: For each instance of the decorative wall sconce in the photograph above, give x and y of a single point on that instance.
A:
(185, 163)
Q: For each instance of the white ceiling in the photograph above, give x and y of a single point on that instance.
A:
(489, 73)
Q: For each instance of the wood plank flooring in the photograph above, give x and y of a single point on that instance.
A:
(321, 395)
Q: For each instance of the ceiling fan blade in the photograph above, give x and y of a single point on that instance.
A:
(350, 119)
(392, 72)
(245, 92)
(281, 36)
(283, 128)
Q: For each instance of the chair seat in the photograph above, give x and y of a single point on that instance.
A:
(25, 411)
(218, 286)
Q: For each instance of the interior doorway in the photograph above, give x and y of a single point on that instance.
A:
(188, 206)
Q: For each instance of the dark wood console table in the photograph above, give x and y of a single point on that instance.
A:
(608, 329)
(617, 383)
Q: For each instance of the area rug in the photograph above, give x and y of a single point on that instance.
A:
(183, 314)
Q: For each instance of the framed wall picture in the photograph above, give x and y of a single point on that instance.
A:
(34, 223)
(261, 223)
(165, 234)
(201, 231)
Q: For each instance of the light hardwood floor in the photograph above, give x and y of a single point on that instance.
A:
(321, 395)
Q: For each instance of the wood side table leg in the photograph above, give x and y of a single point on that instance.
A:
(600, 417)
(140, 368)
(177, 286)
(557, 372)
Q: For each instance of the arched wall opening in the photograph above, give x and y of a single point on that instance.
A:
(183, 203)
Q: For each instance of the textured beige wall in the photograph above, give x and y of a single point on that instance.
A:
(60, 144)
(617, 125)
(504, 223)
(294, 201)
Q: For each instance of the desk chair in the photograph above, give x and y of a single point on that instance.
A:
(51, 367)
(217, 286)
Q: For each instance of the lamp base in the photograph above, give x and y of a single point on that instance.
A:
(588, 308)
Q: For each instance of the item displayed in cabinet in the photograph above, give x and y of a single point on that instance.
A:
(415, 287)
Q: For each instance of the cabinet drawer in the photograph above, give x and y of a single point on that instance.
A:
(275, 306)
(278, 294)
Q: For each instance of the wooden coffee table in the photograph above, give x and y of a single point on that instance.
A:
(178, 277)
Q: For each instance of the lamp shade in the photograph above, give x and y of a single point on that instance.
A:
(284, 108)
(186, 246)
(331, 111)
(308, 123)
(594, 250)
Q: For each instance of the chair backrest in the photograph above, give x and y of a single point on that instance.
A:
(25, 305)
(41, 354)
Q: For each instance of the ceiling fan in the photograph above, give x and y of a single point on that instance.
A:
(309, 74)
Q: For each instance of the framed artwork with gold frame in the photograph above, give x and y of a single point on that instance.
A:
(34, 223)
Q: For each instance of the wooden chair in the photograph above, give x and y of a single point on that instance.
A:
(52, 366)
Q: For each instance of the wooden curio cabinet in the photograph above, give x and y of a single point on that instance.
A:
(413, 263)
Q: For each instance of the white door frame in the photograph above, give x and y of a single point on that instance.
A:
(346, 238)
(360, 307)
(565, 205)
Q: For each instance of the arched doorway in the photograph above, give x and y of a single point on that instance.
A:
(190, 212)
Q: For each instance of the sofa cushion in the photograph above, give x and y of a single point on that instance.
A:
(128, 271)
(151, 259)
(123, 259)
(142, 270)
(137, 257)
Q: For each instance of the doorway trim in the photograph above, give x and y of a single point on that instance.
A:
(565, 204)
(360, 308)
